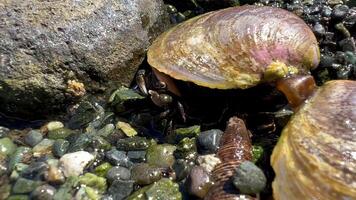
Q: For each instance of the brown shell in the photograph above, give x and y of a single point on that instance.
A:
(235, 148)
(315, 158)
(233, 47)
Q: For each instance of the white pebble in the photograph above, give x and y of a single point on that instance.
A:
(54, 125)
(73, 164)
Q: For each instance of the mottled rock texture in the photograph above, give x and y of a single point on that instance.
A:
(46, 44)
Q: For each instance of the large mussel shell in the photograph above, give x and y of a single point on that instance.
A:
(315, 157)
(231, 48)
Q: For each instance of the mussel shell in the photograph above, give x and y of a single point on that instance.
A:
(231, 48)
(315, 158)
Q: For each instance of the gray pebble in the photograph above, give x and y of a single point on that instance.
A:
(120, 158)
(33, 137)
(249, 179)
(60, 147)
(43, 192)
(118, 173)
(208, 141)
(120, 189)
(340, 11)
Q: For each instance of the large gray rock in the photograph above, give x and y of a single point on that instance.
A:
(46, 43)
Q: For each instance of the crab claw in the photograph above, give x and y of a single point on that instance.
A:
(141, 82)
(161, 100)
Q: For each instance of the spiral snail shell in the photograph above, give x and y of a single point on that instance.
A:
(237, 47)
(315, 157)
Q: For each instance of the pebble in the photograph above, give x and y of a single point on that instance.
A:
(3, 131)
(102, 169)
(54, 125)
(79, 142)
(18, 156)
(106, 130)
(190, 132)
(7, 147)
(126, 128)
(73, 164)
(35, 170)
(198, 182)
(340, 11)
(118, 173)
(161, 155)
(120, 158)
(163, 189)
(99, 143)
(249, 179)
(54, 175)
(3, 165)
(120, 189)
(17, 170)
(134, 143)
(33, 137)
(145, 174)
(66, 190)
(43, 148)
(137, 156)
(208, 162)
(186, 149)
(23, 186)
(60, 147)
(60, 133)
(319, 29)
(182, 168)
(43, 192)
(208, 141)
(94, 181)
(18, 197)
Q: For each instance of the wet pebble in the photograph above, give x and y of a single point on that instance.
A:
(182, 168)
(340, 11)
(17, 170)
(145, 174)
(60, 133)
(137, 156)
(73, 164)
(208, 162)
(186, 149)
(3, 165)
(79, 142)
(99, 143)
(33, 137)
(161, 155)
(7, 147)
(116, 157)
(126, 128)
(208, 141)
(18, 156)
(106, 130)
(249, 179)
(23, 186)
(60, 147)
(319, 29)
(118, 173)
(120, 189)
(198, 182)
(134, 144)
(96, 182)
(54, 125)
(43, 148)
(54, 175)
(43, 192)
(35, 170)
(102, 169)
(3, 131)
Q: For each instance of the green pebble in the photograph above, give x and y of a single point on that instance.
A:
(164, 189)
(186, 149)
(102, 169)
(18, 197)
(121, 95)
(60, 147)
(161, 155)
(134, 144)
(18, 169)
(7, 147)
(257, 153)
(249, 179)
(23, 186)
(60, 133)
(94, 181)
(106, 130)
(92, 193)
(190, 132)
(100, 143)
(17, 156)
(64, 192)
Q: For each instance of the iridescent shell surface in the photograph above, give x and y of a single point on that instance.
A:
(315, 157)
(233, 47)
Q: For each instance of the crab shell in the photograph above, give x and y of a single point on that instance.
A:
(315, 157)
(237, 47)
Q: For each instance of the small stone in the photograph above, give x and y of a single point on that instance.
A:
(118, 173)
(106, 130)
(208, 141)
(33, 137)
(18, 197)
(4, 131)
(340, 11)
(120, 189)
(99, 143)
(126, 128)
(43, 192)
(73, 164)
(60, 147)
(186, 149)
(198, 182)
(116, 157)
(23, 186)
(43, 148)
(163, 189)
(60, 133)
(350, 57)
(208, 162)
(54, 175)
(102, 169)
(348, 44)
(319, 29)
(145, 174)
(54, 125)
(65, 191)
(91, 193)
(257, 153)
(182, 168)
(326, 11)
(94, 181)
(121, 95)
(7, 147)
(335, 2)
(79, 142)
(35, 170)
(18, 156)
(134, 144)
(137, 156)
(17, 170)
(249, 179)
(189, 132)
(161, 155)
